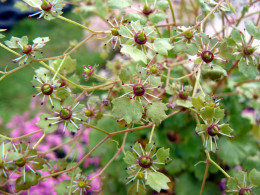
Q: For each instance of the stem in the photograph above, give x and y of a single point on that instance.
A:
(196, 83)
(80, 44)
(97, 128)
(102, 78)
(75, 23)
(172, 11)
(216, 165)
(62, 62)
(133, 129)
(205, 177)
(8, 49)
(39, 141)
(21, 137)
(152, 132)
(71, 181)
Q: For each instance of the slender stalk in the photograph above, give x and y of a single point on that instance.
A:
(75, 23)
(102, 78)
(216, 165)
(62, 62)
(152, 132)
(97, 128)
(21, 137)
(133, 129)
(205, 177)
(172, 11)
(39, 141)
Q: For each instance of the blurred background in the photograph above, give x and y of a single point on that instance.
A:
(16, 90)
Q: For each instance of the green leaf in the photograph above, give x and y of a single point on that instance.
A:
(179, 47)
(234, 151)
(232, 183)
(254, 177)
(162, 155)
(157, 17)
(133, 190)
(14, 156)
(249, 70)
(192, 49)
(162, 46)
(214, 73)
(197, 102)
(219, 113)
(130, 110)
(129, 158)
(30, 178)
(184, 103)
(68, 66)
(157, 181)
(156, 112)
(162, 4)
(13, 42)
(34, 3)
(236, 35)
(61, 188)
(134, 53)
(134, 16)
(226, 129)
(125, 74)
(252, 29)
(119, 4)
(207, 113)
(62, 93)
(44, 124)
(225, 51)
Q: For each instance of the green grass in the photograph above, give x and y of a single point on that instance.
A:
(16, 89)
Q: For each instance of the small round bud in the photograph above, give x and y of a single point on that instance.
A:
(183, 95)
(114, 31)
(213, 130)
(140, 38)
(65, 114)
(138, 89)
(47, 89)
(207, 56)
(188, 35)
(140, 175)
(62, 83)
(245, 191)
(249, 50)
(46, 6)
(145, 161)
(20, 162)
(82, 184)
(88, 113)
(27, 49)
(154, 70)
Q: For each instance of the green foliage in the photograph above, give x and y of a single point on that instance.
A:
(156, 112)
(130, 110)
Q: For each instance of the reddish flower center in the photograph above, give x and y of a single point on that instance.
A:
(46, 6)
(145, 161)
(65, 114)
(47, 89)
(140, 38)
(213, 130)
(207, 56)
(138, 89)
(183, 95)
(245, 191)
(27, 50)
